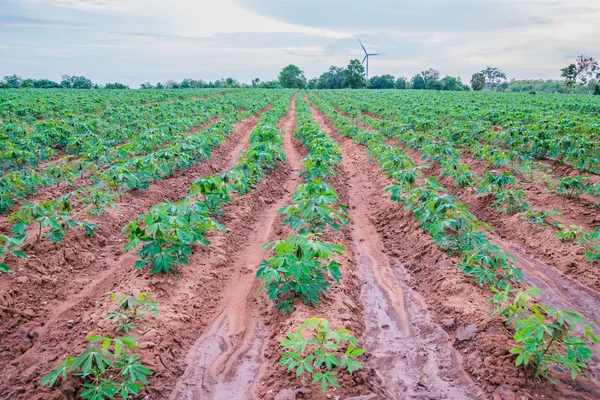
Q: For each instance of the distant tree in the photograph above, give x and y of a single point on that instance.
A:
(478, 81)
(115, 85)
(493, 77)
(26, 84)
(434, 84)
(45, 84)
(292, 77)
(12, 81)
(256, 82)
(146, 85)
(322, 80)
(503, 87)
(430, 74)
(335, 77)
(382, 82)
(418, 82)
(312, 83)
(76, 82)
(587, 67)
(597, 89)
(171, 84)
(231, 83)
(354, 75)
(451, 83)
(185, 84)
(401, 83)
(274, 84)
(159, 85)
(569, 73)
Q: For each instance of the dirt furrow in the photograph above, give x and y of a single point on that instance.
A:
(64, 289)
(409, 353)
(225, 359)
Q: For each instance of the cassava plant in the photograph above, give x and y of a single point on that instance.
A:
(131, 309)
(320, 351)
(105, 370)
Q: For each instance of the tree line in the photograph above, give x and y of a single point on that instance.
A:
(580, 77)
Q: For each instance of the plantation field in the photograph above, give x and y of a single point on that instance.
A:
(280, 244)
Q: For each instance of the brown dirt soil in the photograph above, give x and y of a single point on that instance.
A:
(62, 287)
(455, 303)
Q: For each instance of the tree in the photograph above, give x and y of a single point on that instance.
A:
(159, 85)
(597, 90)
(569, 73)
(493, 77)
(45, 84)
(12, 81)
(401, 83)
(26, 83)
(171, 84)
(587, 67)
(382, 82)
(292, 77)
(76, 82)
(312, 83)
(418, 82)
(115, 85)
(430, 74)
(335, 77)
(478, 81)
(274, 84)
(434, 84)
(354, 75)
(255, 82)
(146, 85)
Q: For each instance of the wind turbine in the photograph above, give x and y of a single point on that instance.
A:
(367, 55)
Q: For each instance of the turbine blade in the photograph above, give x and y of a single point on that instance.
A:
(367, 56)
(376, 54)
(361, 45)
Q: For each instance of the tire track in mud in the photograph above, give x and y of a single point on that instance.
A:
(224, 361)
(44, 338)
(409, 353)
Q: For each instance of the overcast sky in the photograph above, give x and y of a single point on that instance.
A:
(133, 41)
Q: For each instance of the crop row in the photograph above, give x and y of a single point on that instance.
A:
(545, 336)
(443, 147)
(536, 129)
(168, 230)
(58, 215)
(100, 156)
(300, 265)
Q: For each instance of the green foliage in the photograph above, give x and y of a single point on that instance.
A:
(292, 77)
(568, 233)
(298, 266)
(382, 82)
(546, 337)
(418, 82)
(572, 187)
(54, 214)
(313, 210)
(130, 309)
(354, 75)
(10, 245)
(477, 81)
(167, 232)
(320, 351)
(105, 370)
(541, 217)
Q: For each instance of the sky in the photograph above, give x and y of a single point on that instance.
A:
(135, 41)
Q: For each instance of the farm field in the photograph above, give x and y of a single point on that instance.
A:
(442, 245)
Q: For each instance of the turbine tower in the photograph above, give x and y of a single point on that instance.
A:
(367, 55)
